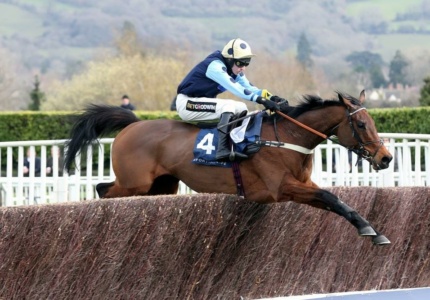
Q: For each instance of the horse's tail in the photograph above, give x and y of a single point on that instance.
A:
(95, 122)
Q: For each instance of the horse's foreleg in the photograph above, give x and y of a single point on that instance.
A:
(323, 199)
(363, 226)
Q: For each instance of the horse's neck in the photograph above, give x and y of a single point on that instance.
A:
(322, 120)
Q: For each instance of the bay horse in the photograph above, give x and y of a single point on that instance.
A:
(151, 157)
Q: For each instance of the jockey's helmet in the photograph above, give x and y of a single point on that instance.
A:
(237, 49)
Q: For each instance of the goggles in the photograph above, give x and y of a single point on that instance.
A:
(242, 63)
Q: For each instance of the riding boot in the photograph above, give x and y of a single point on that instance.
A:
(224, 151)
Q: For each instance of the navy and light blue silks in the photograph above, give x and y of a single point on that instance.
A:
(212, 76)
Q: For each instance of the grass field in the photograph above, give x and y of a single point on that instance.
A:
(389, 43)
(388, 8)
(49, 4)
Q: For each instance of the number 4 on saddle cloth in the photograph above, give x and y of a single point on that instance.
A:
(243, 140)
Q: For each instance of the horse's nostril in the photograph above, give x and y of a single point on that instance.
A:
(386, 160)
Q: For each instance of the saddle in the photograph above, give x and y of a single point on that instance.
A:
(243, 137)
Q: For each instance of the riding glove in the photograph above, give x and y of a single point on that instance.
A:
(268, 104)
(266, 94)
(278, 100)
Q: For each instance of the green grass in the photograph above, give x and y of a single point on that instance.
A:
(416, 24)
(388, 8)
(405, 42)
(17, 20)
(390, 43)
(36, 3)
(45, 4)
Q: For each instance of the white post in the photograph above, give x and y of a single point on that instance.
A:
(89, 194)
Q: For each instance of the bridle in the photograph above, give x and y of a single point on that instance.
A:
(358, 149)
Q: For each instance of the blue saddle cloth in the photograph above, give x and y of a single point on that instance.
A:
(205, 146)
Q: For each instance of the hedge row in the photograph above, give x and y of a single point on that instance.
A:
(24, 126)
(27, 126)
(402, 120)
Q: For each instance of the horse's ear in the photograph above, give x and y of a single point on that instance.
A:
(351, 102)
(362, 97)
(344, 100)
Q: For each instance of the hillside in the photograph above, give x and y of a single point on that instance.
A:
(56, 37)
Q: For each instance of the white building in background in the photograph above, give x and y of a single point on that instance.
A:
(393, 98)
(386, 95)
(377, 95)
(399, 96)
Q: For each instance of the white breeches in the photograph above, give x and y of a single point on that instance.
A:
(206, 109)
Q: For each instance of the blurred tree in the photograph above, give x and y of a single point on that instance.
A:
(364, 60)
(144, 79)
(304, 52)
(418, 68)
(398, 67)
(36, 95)
(367, 65)
(377, 77)
(13, 88)
(127, 43)
(425, 93)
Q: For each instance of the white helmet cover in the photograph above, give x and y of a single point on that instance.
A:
(237, 49)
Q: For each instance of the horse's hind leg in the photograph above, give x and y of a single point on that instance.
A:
(103, 188)
(113, 190)
(162, 185)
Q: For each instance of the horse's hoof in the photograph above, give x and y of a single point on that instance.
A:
(380, 240)
(367, 231)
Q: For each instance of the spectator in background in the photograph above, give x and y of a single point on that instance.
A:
(55, 156)
(126, 103)
(31, 156)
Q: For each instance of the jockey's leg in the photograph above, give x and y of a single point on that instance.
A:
(224, 148)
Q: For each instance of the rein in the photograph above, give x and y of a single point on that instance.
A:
(302, 125)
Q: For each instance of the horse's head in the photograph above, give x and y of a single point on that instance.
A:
(358, 133)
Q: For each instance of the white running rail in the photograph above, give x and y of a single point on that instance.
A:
(410, 167)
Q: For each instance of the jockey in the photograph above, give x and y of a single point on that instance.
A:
(221, 71)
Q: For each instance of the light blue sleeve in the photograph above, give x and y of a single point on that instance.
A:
(217, 71)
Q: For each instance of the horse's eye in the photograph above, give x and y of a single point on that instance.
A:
(361, 125)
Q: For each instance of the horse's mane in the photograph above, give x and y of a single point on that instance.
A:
(313, 102)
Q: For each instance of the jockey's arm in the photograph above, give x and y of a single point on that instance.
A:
(239, 87)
